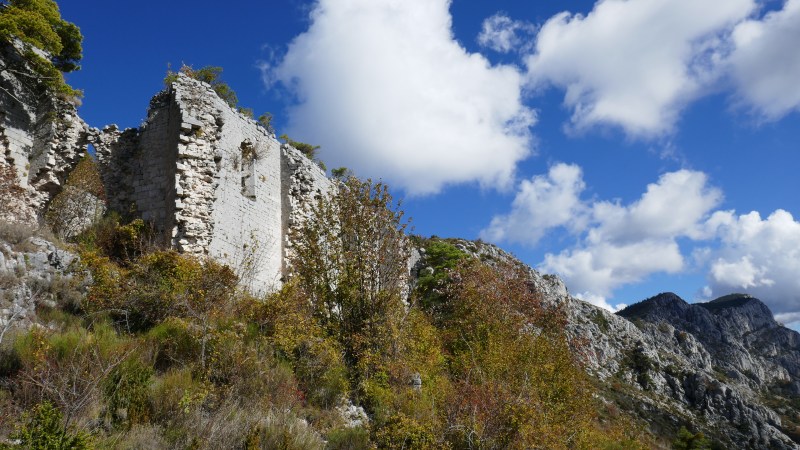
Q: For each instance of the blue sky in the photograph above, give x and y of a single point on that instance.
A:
(632, 146)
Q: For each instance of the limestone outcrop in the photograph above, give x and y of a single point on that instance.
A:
(41, 137)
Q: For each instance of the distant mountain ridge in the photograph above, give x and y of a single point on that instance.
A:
(738, 330)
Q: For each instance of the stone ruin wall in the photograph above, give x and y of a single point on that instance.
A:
(212, 181)
(303, 182)
(42, 137)
(137, 168)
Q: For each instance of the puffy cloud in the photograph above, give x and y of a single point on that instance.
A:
(617, 244)
(634, 63)
(760, 257)
(542, 203)
(765, 63)
(674, 206)
(502, 34)
(598, 300)
(787, 318)
(600, 268)
(388, 92)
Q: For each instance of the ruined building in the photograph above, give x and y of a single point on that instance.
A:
(210, 180)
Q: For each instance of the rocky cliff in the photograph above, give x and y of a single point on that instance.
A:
(41, 136)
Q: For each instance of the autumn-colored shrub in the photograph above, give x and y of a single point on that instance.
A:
(401, 432)
(121, 243)
(159, 285)
(516, 384)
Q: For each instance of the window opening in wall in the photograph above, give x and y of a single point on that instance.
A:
(248, 169)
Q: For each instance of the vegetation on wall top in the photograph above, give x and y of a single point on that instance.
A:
(38, 24)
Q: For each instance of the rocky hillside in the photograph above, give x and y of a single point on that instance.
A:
(175, 341)
(726, 367)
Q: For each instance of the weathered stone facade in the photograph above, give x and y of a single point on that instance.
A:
(41, 136)
(212, 181)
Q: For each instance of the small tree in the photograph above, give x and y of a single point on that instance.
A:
(307, 149)
(265, 120)
(38, 23)
(350, 258)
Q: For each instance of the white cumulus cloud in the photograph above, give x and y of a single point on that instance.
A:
(616, 244)
(765, 62)
(503, 34)
(634, 63)
(760, 257)
(542, 203)
(387, 91)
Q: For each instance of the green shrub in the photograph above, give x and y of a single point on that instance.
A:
(176, 393)
(307, 149)
(641, 365)
(126, 391)
(67, 367)
(265, 120)
(208, 74)
(356, 438)
(686, 440)
(321, 372)
(172, 344)
(10, 362)
(286, 432)
(600, 320)
(43, 429)
(402, 432)
(442, 257)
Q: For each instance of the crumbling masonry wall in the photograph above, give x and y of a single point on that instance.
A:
(212, 181)
(41, 136)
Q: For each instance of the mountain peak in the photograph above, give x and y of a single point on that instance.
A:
(729, 301)
(663, 300)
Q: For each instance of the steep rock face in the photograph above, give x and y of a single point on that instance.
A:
(695, 363)
(739, 331)
(35, 273)
(41, 136)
